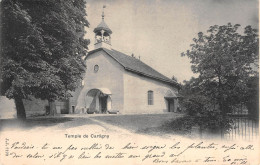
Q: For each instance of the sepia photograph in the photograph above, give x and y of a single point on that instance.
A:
(129, 82)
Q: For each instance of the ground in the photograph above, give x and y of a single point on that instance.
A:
(151, 134)
(165, 125)
(149, 124)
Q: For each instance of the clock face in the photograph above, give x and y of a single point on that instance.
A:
(96, 67)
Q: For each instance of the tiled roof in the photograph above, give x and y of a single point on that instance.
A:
(136, 66)
(103, 26)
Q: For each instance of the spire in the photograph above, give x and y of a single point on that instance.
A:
(103, 13)
(103, 33)
(103, 25)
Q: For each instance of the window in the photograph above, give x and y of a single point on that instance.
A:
(150, 97)
(96, 67)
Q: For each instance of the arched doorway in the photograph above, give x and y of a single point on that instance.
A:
(98, 100)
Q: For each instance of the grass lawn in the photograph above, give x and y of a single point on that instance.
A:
(141, 123)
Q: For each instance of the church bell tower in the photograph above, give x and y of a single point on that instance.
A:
(102, 34)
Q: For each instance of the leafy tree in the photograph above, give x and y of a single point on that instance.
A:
(42, 49)
(224, 60)
(194, 101)
(252, 97)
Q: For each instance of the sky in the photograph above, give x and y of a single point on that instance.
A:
(160, 30)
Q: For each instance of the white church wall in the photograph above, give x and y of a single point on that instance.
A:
(109, 75)
(136, 94)
(73, 100)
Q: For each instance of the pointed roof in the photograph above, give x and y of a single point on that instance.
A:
(103, 26)
(136, 66)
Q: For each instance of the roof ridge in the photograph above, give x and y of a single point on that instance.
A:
(136, 66)
(137, 60)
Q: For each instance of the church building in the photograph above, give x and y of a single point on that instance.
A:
(118, 83)
(113, 83)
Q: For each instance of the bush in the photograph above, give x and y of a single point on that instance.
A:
(202, 112)
(181, 125)
(213, 121)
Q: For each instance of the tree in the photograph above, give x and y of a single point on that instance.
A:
(194, 101)
(200, 109)
(42, 49)
(252, 97)
(224, 60)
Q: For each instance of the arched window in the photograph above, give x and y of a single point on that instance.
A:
(150, 97)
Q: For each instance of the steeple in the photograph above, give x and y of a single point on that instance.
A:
(103, 33)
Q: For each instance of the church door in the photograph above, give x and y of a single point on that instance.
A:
(170, 105)
(103, 103)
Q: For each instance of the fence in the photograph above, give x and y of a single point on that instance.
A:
(243, 127)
